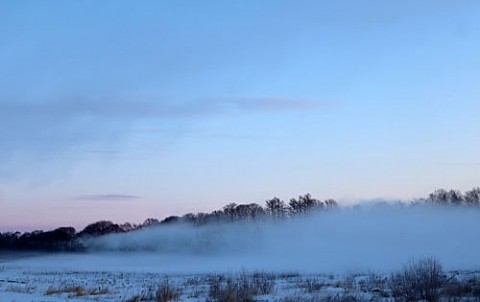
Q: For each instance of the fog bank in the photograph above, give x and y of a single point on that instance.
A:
(376, 237)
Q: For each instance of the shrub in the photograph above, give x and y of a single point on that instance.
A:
(457, 290)
(418, 280)
(343, 298)
(167, 292)
(264, 283)
(77, 291)
(312, 285)
(240, 288)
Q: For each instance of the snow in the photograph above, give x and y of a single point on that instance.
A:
(23, 283)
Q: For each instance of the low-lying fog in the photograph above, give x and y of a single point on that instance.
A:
(375, 237)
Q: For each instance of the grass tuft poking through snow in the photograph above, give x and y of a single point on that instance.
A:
(77, 291)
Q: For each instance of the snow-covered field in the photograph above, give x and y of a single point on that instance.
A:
(20, 281)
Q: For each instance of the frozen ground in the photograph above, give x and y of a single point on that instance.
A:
(102, 278)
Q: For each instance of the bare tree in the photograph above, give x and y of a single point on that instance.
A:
(330, 204)
(276, 208)
(248, 211)
(308, 203)
(229, 211)
(472, 197)
(444, 197)
(455, 197)
(295, 206)
(439, 196)
(304, 204)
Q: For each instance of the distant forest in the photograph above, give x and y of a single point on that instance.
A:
(67, 239)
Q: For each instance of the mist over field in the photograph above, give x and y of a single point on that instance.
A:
(377, 237)
(239, 151)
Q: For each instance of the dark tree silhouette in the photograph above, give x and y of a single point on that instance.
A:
(65, 239)
(444, 197)
(276, 208)
(100, 228)
(439, 197)
(170, 219)
(472, 197)
(330, 204)
(189, 218)
(455, 197)
(304, 204)
(229, 211)
(149, 222)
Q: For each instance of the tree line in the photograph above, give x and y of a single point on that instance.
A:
(454, 197)
(274, 209)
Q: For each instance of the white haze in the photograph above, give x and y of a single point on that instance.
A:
(378, 237)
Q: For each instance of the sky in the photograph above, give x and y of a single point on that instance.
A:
(122, 110)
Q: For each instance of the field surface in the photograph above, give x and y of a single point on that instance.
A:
(89, 278)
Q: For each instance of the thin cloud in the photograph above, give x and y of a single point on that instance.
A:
(51, 126)
(229, 136)
(31, 131)
(108, 197)
(144, 107)
(147, 105)
(464, 164)
(268, 104)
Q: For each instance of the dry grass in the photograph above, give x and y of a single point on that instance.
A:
(77, 291)
(165, 292)
(21, 289)
(242, 287)
(312, 285)
(466, 290)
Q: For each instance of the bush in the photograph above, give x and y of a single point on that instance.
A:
(240, 288)
(418, 280)
(313, 285)
(231, 291)
(263, 282)
(458, 290)
(166, 292)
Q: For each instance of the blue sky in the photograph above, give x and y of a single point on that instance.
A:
(124, 110)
